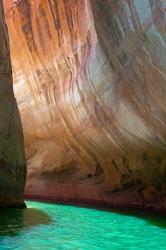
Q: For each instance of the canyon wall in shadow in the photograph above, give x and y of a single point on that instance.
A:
(12, 160)
(90, 80)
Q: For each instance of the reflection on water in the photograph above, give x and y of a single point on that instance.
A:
(12, 221)
(150, 217)
(61, 227)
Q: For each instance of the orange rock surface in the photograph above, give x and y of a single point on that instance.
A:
(90, 81)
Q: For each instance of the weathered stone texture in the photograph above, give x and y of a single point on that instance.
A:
(90, 79)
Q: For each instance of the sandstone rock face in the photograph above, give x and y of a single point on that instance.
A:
(90, 80)
(12, 160)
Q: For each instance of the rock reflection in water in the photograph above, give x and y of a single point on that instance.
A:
(13, 221)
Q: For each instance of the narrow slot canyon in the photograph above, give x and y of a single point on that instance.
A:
(89, 79)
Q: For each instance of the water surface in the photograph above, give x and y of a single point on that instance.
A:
(51, 226)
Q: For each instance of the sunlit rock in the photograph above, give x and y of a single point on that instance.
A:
(90, 79)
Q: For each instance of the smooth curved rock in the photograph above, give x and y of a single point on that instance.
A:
(90, 79)
(12, 160)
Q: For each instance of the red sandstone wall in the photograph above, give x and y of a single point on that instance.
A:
(90, 83)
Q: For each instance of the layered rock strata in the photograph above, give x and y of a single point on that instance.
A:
(90, 80)
(12, 160)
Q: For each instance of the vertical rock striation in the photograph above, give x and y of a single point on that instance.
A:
(90, 82)
(12, 162)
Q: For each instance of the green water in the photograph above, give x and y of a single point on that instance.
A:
(50, 226)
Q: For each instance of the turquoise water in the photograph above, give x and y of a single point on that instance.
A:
(51, 226)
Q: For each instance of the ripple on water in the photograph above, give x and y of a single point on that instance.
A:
(51, 226)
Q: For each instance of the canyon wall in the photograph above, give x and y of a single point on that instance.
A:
(90, 80)
(12, 160)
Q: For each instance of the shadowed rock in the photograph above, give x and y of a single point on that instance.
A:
(12, 161)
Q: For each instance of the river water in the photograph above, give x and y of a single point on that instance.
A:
(61, 227)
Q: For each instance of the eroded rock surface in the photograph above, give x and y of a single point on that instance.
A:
(90, 79)
(12, 160)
